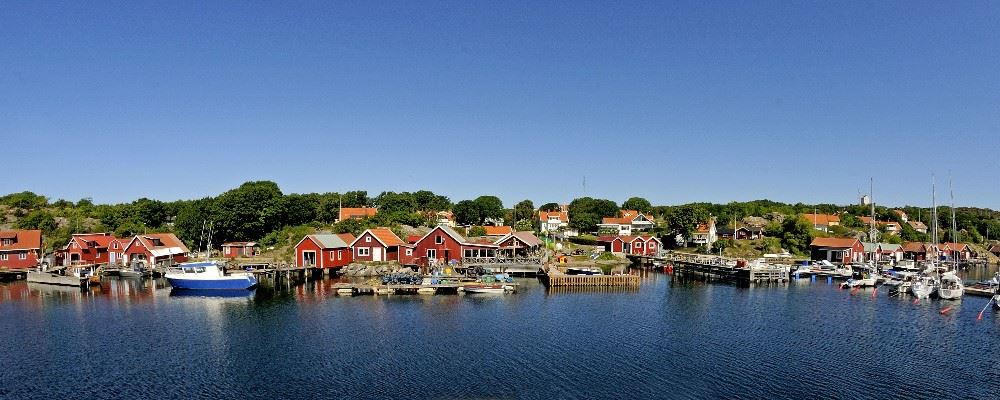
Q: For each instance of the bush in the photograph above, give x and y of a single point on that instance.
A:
(477, 231)
(586, 240)
(607, 256)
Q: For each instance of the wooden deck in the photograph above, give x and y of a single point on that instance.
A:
(554, 277)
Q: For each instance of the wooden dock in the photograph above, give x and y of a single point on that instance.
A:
(728, 270)
(554, 277)
(352, 289)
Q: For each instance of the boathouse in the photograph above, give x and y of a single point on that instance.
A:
(442, 245)
(155, 249)
(519, 244)
(915, 251)
(20, 249)
(324, 251)
(91, 248)
(631, 245)
(380, 244)
(958, 252)
(841, 250)
(240, 249)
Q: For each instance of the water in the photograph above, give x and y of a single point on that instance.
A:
(132, 339)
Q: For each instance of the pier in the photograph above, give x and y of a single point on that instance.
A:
(554, 277)
(726, 269)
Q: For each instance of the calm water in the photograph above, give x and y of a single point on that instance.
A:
(132, 339)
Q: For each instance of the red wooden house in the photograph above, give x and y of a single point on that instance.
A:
(842, 250)
(633, 245)
(324, 251)
(240, 249)
(20, 249)
(116, 250)
(442, 245)
(519, 244)
(154, 249)
(380, 244)
(91, 248)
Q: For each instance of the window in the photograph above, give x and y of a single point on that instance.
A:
(368, 239)
(3, 257)
(332, 255)
(468, 253)
(409, 252)
(432, 254)
(22, 256)
(439, 239)
(340, 254)
(364, 251)
(638, 245)
(114, 245)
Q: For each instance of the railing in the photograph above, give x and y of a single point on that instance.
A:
(501, 260)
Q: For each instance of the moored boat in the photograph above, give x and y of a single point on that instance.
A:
(951, 287)
(484, 288)
(207, 275)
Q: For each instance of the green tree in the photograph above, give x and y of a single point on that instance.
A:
(151, 213)
(524, 211)
(467, 213)
(248, 212)
(38, 219)
(489, 207)
(586, 212)
(684, 220)
(477, 231)
(797, 235)
(24, 200)
(191, 217)
(549, 207)
(638, 203)
(428, 201)
(356, 198)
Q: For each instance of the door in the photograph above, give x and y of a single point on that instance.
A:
(112, 257)
(308, 258)
(376, 254)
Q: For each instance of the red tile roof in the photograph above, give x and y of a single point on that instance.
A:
(385, 236)
(498, 230)
(834, 242)
(914, 247)
(562, 215)
(956, 246)
(616, 221)
(361, 212)
(821, 219)
(23, 240)
(346, 237)
(166, 240)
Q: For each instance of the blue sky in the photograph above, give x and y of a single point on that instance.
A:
(676, 102)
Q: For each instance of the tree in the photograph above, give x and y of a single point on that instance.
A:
(148, 212)
(356, 198)
(684, 220)
(477, 231)
(38, 219)
(391, 202)
(190, 219)
(797, 235)
(467, 213)
(524, 211)
(428, 201)
(489, 207)
(549, 207)
(248, 212)
(639, 204)
(24, 200)
(585, 212)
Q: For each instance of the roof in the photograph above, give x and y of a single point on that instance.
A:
(900, 213)
(563, 216)
(914, 247)
(448, 231)
(23, 240)
(821, 219)
(328, 240)
(357, 212)
(528, 238)
(633, 214)
(95, 240)
(498, 230)
(995, 248)
(891, 247)
(385, 236)
(956, 246)
(834, 242)
(702, 228)
(918, 225)
(167, 241)
(239, 244)
(616, 221)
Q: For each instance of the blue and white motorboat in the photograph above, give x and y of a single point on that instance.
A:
(208, 275)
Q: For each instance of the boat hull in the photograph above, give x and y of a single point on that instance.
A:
(227, 283)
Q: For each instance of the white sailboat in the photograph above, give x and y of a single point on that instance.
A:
(926, 284)
(952, 287)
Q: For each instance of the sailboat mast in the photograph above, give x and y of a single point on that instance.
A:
(873, 235)
(954, 226)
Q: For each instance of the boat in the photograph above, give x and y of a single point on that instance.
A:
(484, 288)
(429, 289)
(57, 278)
(208, 275)
(951, 287)
(926, 284)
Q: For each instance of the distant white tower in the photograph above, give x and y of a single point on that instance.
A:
(866, 200)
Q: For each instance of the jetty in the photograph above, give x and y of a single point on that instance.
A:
(13, 274)
(726, 269)
(355, 289)
(556, 277)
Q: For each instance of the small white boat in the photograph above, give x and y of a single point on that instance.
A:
(207, 275)
(496, 288)
(951, 286)
(923, 287)
(345, 292)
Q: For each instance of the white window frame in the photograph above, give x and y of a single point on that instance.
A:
(332, 256)
(409, 252)
(302, 257)
(364, 251)
(368, 239)
(22, 256)
(439, 239)
(638, 245)
(340, 255)
(432, 254)
(3, 256)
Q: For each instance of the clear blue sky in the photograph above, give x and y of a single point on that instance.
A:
(791, 101)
